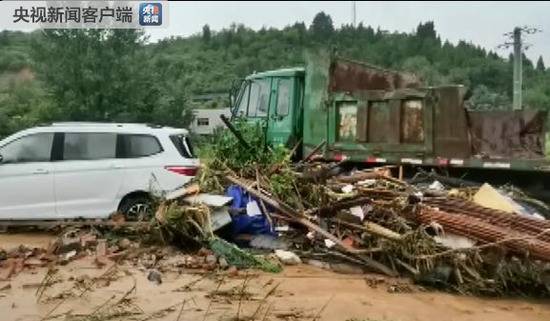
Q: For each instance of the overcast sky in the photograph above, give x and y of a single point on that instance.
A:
(482, 23)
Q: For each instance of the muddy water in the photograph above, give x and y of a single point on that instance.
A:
(302, 293)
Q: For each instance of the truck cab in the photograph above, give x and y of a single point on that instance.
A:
(325, 101)
(274, 98)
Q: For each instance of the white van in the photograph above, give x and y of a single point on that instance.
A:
(91, 170)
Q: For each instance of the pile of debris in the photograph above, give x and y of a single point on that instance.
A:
(316, 211)
(71, 244)
(253, 208)
(110, 247)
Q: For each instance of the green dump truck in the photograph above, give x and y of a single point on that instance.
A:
(369, 115)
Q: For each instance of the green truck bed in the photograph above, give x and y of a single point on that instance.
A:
(371, 115)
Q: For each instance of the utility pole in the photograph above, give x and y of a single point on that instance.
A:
(518, 72)
(519, 46)
(354, 14)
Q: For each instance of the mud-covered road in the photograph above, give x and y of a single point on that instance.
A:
(81, 290)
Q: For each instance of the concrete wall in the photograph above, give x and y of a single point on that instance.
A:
(206, 120)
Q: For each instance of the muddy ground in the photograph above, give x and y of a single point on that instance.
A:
(81, 290)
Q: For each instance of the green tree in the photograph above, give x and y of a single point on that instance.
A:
(206, 33)
(322, 27)
(422, 67)
(485, 99)
(540, 64)
(426, 30)
(24, 103)
(105, 75)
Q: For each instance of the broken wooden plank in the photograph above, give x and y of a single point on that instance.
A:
(373, 228)
(341, 205)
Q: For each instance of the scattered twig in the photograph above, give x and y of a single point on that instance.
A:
(267, 310)
(107, 272)
(323, 308)
(52, 310)
(190, 284)
(301, 201)
(211, 300)
(45, 283)
(99, 307)
(295, 148)
(314, 151)
(132, 289)
(267, 295)
(241, 294)
(181, 310)
(373, 228)
(235, 132)
(262, 204)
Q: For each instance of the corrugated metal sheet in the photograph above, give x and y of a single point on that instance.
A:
(353, 76)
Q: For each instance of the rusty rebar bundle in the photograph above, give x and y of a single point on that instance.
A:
(484, 232)
(523, 224)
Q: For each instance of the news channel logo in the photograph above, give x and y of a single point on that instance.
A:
(150, 14)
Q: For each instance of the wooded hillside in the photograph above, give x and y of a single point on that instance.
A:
(97, 75)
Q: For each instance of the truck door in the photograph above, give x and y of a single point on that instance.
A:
(281, 113)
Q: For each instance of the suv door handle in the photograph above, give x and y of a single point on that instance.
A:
(40, 171)
(117, 166)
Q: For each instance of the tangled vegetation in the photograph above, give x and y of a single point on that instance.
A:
(257, 162)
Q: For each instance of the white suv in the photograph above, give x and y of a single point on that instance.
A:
(90, 170)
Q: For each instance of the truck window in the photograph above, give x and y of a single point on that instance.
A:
(283, 97)
(259, 98)
(243, 104)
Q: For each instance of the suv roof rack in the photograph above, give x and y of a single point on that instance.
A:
(103, 124)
